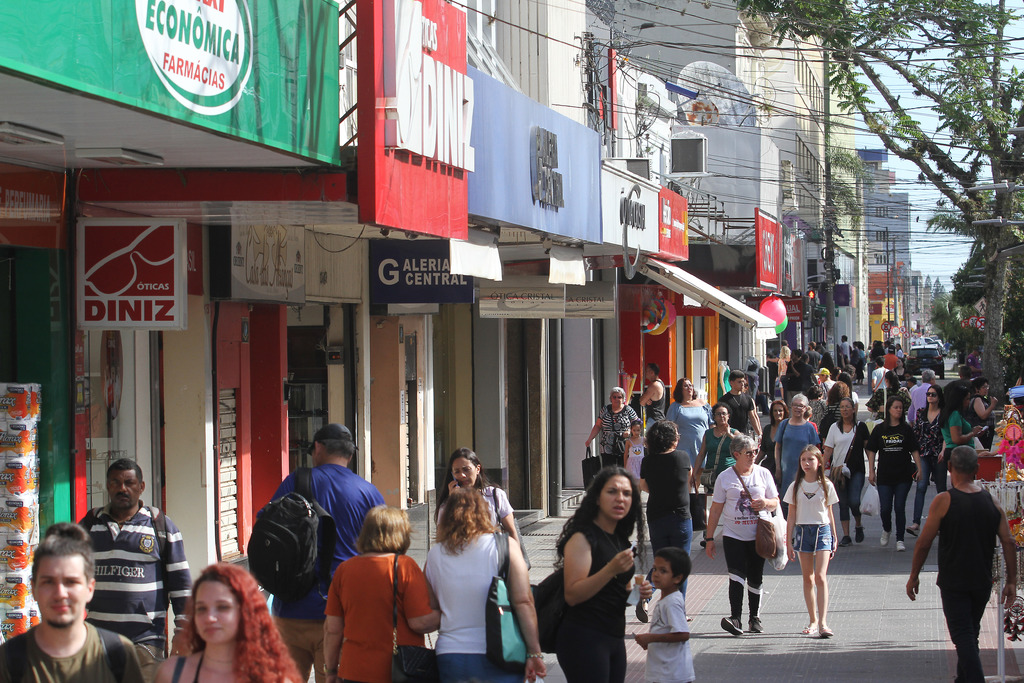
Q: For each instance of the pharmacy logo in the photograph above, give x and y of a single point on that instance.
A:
(201, 49)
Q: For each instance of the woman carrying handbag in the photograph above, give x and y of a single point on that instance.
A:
(844, 454)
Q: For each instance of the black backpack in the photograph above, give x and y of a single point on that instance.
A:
(283, 546)
(16, 651)
(549, 601)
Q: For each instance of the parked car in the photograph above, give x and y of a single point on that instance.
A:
(923, 357)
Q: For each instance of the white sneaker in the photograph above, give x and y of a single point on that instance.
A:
(884, 540)
(900, 546)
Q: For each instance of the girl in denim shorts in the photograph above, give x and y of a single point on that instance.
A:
(812, 534)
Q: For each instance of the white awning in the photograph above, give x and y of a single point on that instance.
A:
(477, 256)
(566, 266)
(703, 294)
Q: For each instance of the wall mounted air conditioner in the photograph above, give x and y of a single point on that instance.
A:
(689, 156)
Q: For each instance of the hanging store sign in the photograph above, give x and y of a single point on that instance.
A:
(592, 300)
(131, 274)
(540, 173)
(416, 105)
(258, 263)
(403, 272)
(629, 211)
(673, 217)
(32, 208)
(535, 297)
(794, 308)
(767, 237)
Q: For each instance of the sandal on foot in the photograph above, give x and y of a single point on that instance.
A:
(809, 629)
(825, 632)
(913, 530)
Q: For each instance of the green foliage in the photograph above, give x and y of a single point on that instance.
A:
(1011, 346)
(946, 317)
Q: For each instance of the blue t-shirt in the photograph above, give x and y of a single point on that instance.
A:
(347, 497)
(793, 439)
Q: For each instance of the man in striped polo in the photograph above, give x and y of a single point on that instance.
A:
(140, 567)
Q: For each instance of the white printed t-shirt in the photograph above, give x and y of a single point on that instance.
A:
(739, 519)
(811, 507)
(670, 662)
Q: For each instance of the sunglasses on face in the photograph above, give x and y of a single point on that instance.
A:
(931, 393)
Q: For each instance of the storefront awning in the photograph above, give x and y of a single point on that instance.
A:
(477, 255)
(707, 296)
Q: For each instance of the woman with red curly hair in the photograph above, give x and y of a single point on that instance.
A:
(231, 634)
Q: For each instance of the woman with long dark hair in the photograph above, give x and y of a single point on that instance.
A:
(465, 471)
(979, 411)
(692, 416)
(778, 411)
(956, 429)
(230, 632)
(844, 451)
(899, 464)
(928, 430)
(891, 386)
(595, 553)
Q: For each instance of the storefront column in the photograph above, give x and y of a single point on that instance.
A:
(489, 378)
(711, 341)
(189, 410)
(268, 371)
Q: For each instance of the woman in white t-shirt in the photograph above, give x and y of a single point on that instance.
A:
(811, 532)
(742, 492)
(465, 471)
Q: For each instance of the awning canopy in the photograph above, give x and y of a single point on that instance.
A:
(690, 286)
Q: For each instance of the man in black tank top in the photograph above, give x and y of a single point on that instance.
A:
(655, 398)
(967, 521)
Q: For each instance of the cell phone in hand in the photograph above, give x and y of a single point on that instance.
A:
(633, 548)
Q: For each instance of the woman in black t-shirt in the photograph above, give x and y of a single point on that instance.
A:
(594, 551)
(899, 466)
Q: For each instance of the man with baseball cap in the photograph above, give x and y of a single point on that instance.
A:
(347, 497)
(825, 380)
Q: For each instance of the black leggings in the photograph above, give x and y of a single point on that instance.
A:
(745, 567)
(590, 656)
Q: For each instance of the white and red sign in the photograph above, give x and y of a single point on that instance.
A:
(886, 326)
(767, 238)
(416, 114)
(794, 308)
(977, 321)
(131, 274)
(673, 217)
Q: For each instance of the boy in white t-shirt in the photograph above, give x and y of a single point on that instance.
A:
(668, 649)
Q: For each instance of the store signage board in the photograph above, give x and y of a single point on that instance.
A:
(259, 70)
(419, 272)
(541, 173)
(629, 211)
(266, 263)
(131, 274)
(794, 308)
(592, 300)
(535, 297)
(673, 218)
(31, 208)
(416, 116)
(767, 237)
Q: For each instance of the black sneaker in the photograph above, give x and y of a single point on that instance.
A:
(755, 625)
(845, 542)
(641, 611)
(732, 625)
(858, 534)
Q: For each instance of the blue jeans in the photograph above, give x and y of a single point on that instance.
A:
(670, 531)
(463, 668)
(931, 470)
(886, 494)
(849, 497)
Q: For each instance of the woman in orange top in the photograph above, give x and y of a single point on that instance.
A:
(360, 600)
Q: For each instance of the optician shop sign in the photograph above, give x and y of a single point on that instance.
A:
(629, 211)
(767, 239)
(419, 272)
(535, 297)
(416, 113)
(131, 274)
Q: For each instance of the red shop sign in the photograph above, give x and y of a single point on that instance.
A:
(673, 217)
(416, 116)
(794, 308)
(131, 274)
(767, 240)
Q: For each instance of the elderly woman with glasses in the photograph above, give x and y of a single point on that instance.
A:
(793, 434)
(613, 424)
(742, 492)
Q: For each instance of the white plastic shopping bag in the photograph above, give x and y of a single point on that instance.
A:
(781, 557)
(869, 503)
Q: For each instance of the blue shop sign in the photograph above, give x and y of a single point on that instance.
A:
(415, 272)
(535, 168)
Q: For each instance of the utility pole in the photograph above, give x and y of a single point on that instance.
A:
(830, 225)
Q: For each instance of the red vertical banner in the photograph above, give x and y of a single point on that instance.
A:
(673, 217)
(613, 89)
(767, 240)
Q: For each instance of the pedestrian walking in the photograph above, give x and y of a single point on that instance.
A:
(899, 465)
(595, 553)
(928, 430)
(665, 475)
(715, 454)
(62, 647)
(742, 493)
(742, 411)
(669, 659)
(459, 570)
(613, 425)
(811, 535)
(636, 446)
(967, 522)
(377, 599)
(790, 439)
(692, 416)
(141, 565)
(466, 471)
(890, 386)
(230, 633)
(347, 497)
(956, 430)
(979, 411)
(844, 456)
(655, 398)
(778, 412)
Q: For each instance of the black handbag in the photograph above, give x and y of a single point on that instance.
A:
(409, 663)
(699, 511)
(591, 466)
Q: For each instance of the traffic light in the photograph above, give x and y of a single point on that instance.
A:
(813, 296)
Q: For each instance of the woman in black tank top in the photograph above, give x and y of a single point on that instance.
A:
(595, 552)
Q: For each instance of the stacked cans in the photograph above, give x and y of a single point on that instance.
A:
(19, 504)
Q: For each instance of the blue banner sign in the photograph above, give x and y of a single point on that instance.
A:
(415, 272)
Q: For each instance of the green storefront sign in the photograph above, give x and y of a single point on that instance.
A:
(260, 70)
